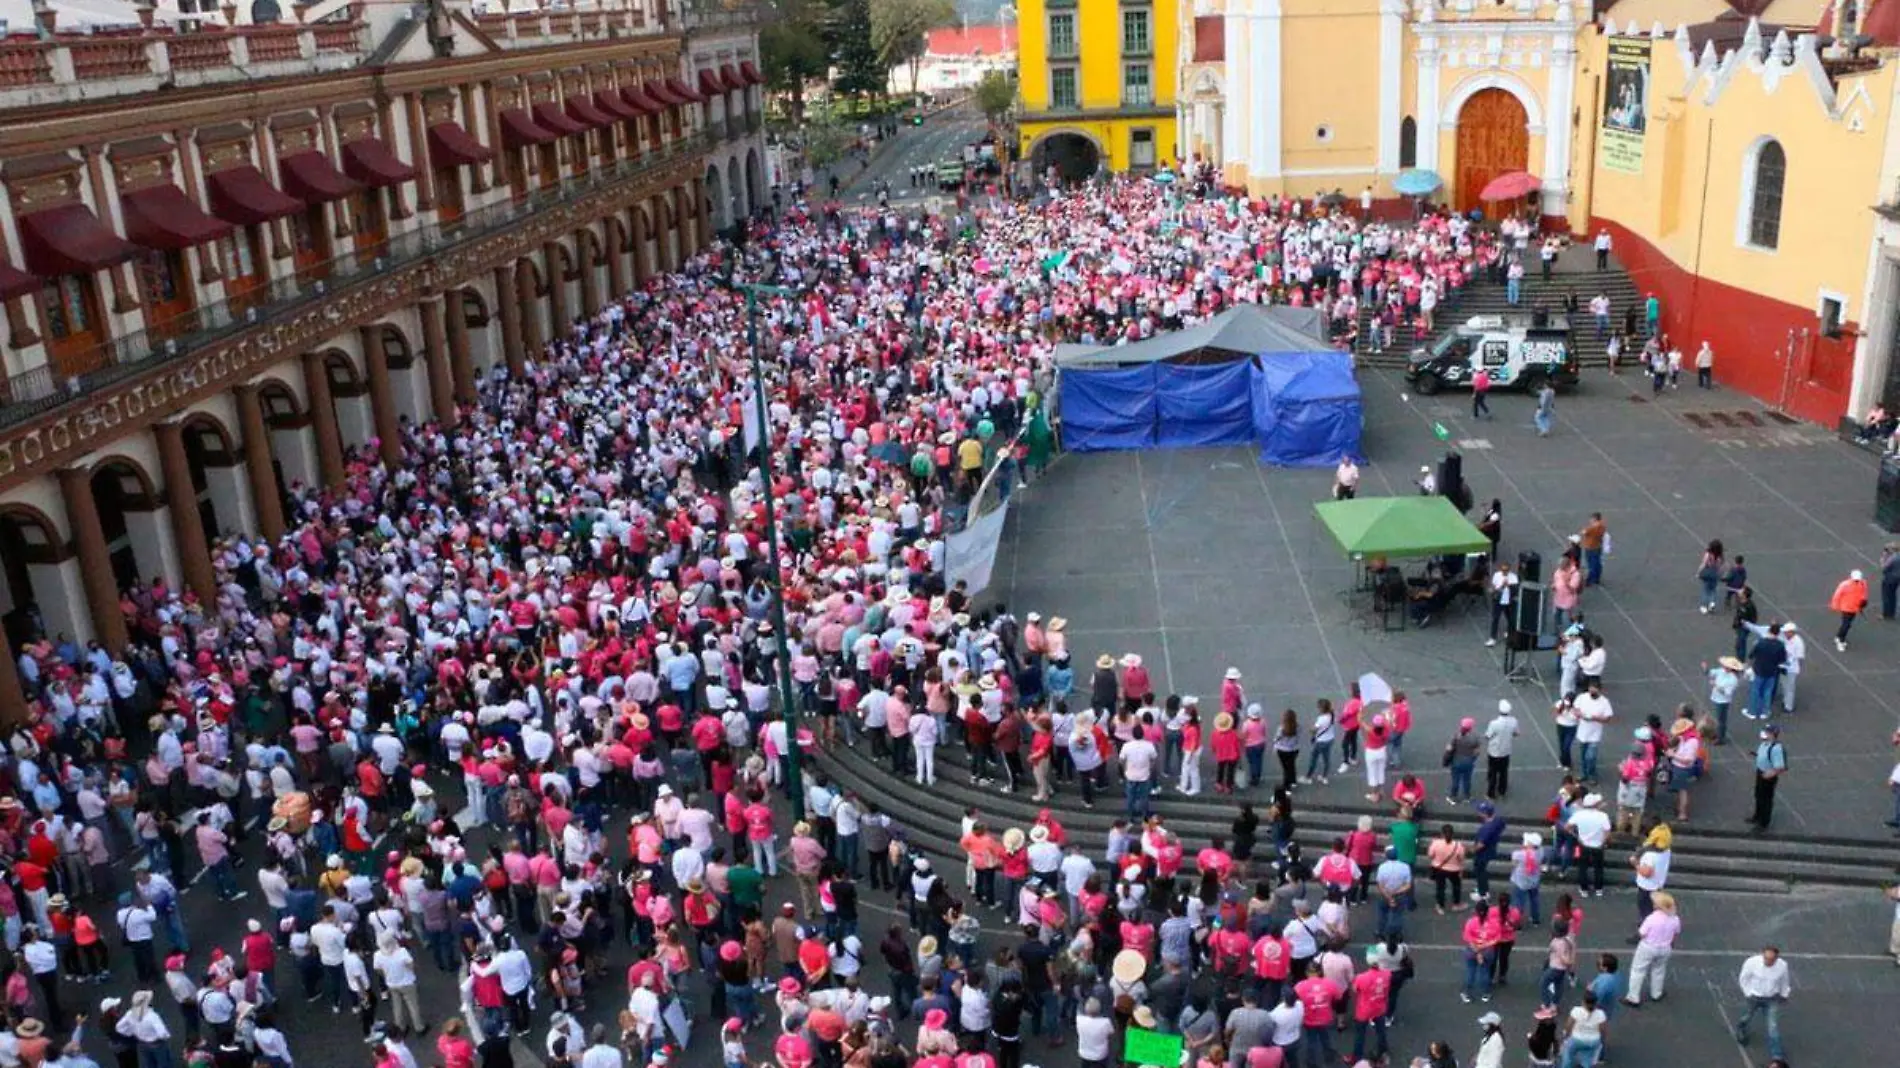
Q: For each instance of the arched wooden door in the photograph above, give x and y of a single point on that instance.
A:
(1493, 139)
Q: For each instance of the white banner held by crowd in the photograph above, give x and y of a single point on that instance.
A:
(970, 554)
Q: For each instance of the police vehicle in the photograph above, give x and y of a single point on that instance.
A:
(1520, 352)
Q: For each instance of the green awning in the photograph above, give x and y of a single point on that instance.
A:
(1400, 527)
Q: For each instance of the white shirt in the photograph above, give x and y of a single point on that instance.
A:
(1288, 1022)
(1092, 1034)
(1593, 711)
(1592, 826)
(1586, 1025)
(1499, 735)
(1658, 863)
(332, 945)
(1138, 760)
(397, 966)
(601, 1055)
(515, 970)
(1760, 979)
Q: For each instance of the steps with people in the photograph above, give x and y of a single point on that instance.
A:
(1574, 273)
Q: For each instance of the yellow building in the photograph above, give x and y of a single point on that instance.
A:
(1097, 80)
(1734, 150)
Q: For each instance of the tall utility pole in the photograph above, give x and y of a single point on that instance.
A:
(787, 697)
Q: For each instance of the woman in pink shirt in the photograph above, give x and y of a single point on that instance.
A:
(1349, 729)
(1400, 718)
(1190, 782)
(1226, 746)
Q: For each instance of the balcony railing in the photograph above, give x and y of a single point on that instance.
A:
(67, 67)
(32, 392)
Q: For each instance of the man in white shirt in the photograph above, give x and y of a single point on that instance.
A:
(1593, 711)
(1592, 827)
(1765, 986)
(1500, 738)
(1138, 770)
(332, 946)
(516, 972)
(602, 1054)
(398, 969)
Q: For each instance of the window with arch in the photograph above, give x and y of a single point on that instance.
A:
(1408, 142)
(1765, 176)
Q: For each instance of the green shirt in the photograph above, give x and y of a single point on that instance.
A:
(747, 885)
(1404, 837)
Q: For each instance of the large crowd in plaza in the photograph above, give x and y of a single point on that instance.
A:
(511, 707)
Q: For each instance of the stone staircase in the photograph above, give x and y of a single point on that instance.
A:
(1711, 859)
(1574, 273)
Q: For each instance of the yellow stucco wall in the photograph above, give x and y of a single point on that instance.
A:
(1688, 198)
(1099, 62)
(1330, 57)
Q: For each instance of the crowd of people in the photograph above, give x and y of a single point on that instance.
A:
(443, 698)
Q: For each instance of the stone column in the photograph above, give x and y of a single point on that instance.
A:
(12, 698)
(461, 364)
(181, 499)
(382, 396)
(95, 564)
(590, 277)
(529, 313)
(316, 383)
(508, 309)
(557, 290)
(267, 497)
(616, 268)
(435, 350)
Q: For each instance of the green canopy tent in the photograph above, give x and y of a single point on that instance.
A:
(1400, 527)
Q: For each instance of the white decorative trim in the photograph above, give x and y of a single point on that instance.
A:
(1823, 295)
(1391, 39)
(1510, 83)
(1264, 58)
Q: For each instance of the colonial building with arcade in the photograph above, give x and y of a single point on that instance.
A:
(234, 245)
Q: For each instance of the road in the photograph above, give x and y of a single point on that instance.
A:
(940, 137)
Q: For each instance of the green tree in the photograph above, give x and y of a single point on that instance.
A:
(899, 29)
(995, 94)
(793, 50)
(858, 72)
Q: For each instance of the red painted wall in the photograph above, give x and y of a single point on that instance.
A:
(1748, 331)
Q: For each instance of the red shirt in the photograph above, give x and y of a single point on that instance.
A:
(1370, 991)
(1318, 994)
(1269, 957)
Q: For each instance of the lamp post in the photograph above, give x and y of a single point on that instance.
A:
(789, 699)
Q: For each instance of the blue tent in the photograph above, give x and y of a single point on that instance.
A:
(1250, 375)
(1306, 409)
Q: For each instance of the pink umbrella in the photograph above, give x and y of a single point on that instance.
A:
(1511, 186)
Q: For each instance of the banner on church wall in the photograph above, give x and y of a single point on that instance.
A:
(1625, 105)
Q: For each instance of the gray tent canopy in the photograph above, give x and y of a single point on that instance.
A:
(1242, 331)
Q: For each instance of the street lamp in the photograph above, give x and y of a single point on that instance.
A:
(793, 784)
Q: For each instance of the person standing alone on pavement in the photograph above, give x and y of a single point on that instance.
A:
(1500, 735)
(1480, 394)
(1890, 580)
(1850, 600)
(1771, 763)
(1765, 988)
(1705, 367)
(1594, 540)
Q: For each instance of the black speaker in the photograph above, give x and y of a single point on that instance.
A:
(1527, 611)
(1530, 566)
(1886, 495)
(1521, 641)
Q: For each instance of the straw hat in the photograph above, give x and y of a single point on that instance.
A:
(30, 1028)
(1057, 623)
(927, 946)
(1105, 661)
(1129, 965)
(1038, 834)
(1144, 1017)
(1732, 664)
(1013, 839)
(801, 827)
(1223, 722)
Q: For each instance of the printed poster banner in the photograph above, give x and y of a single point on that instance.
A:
(1625, 104)
(970, 553)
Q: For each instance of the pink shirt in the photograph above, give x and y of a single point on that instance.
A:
(1659, 929)
(212, 846)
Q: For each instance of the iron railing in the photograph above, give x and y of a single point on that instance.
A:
(31, 392)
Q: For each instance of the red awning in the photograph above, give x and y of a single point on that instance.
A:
(638, 100)
(242, 195)
(683, 91)
(370, 161)
(611, 103)
(163, 217)
(710, 84)
(15, 282)
(519, 128)
(731, 76)
(70, 239)
(549, 115)
(751, 72)
(452, 146)
(582, 110)
(657, 90)
(311, 177)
